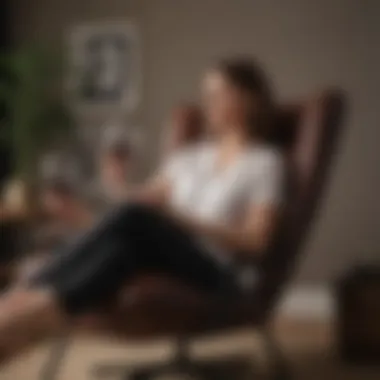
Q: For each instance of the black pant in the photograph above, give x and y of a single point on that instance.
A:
(132, 239)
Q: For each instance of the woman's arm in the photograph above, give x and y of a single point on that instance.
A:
(253, 236)
(155, 192)
(265, 188)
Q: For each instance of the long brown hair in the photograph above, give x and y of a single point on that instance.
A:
(249, 77)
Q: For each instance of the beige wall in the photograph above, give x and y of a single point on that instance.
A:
(305, 44)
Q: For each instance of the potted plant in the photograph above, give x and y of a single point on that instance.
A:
(35, 116)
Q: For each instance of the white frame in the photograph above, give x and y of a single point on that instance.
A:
(76, 39)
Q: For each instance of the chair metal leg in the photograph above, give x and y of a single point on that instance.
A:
(181, 365)
(280, 367)
(187, 368)
(51, 367)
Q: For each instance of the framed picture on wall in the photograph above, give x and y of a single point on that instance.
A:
(104, 67)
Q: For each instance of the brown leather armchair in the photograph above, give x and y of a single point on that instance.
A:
(154, 306)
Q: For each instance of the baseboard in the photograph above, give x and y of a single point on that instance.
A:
(315, 303)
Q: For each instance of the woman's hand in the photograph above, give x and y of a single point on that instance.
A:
(149, 198)
(153, 194)
(252, 235)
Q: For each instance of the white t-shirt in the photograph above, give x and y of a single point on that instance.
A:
(223, 196)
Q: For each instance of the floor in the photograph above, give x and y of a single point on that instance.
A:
(308, 345)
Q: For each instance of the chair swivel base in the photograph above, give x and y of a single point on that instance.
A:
(217, 370)
(183, 367)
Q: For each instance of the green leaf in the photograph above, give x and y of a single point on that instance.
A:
(29, 83)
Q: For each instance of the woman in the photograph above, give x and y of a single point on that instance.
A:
(211, 211)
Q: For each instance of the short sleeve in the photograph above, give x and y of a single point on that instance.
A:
(268, 180)
(170, 168)
(174, 165)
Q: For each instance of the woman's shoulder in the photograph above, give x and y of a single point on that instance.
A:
(265, 151)
(194, 151)
(186, 156)
(265, 156)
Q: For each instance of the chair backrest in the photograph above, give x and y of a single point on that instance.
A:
(307, 132)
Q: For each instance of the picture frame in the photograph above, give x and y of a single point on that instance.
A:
(104, 67)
